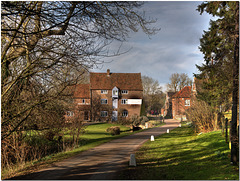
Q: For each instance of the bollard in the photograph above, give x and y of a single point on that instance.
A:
(167, 130)
(180, 125)
(132, 161)
(152, 138)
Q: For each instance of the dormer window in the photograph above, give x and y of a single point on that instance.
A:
(104, 91)
(124, 91)
(115, 92)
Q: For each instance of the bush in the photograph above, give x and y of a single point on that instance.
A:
(202, 116)
(114, 130)
(144, 119)
(136, 120)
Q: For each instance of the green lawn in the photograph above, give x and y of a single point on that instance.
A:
(94, 135)
(183, 155)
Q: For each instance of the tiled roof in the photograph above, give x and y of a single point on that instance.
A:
(124, 81)
(170, 94)
(184, 92)
(81, 91)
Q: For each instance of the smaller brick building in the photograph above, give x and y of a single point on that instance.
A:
(181, 101)
(81, 102)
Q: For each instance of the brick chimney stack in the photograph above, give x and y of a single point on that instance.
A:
(108, 72)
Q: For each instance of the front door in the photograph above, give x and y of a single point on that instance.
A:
(114, 115)
(85, 115)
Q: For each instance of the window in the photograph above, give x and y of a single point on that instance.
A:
(187, 102)
(83, 101)
(70, 113)
(104, 101)
(115, 92)
(104, 113)
(104, 91)
(125, 113)
(124, 101)
(124, 91)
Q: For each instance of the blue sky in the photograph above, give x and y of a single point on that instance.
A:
(173, 49)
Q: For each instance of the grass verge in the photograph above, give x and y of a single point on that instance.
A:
(183, 155)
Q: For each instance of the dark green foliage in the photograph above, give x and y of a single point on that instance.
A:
(217, 45)
(220, 46)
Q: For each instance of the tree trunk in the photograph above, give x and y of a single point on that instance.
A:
(234, 136)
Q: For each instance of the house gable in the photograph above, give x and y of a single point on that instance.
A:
(183, 93)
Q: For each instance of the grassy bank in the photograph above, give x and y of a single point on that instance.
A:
(94, 135)
(183, 155)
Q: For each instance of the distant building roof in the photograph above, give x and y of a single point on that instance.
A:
(124, 81)
(184, 92)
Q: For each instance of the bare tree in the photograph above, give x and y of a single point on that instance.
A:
(43, 43)
(97, 107)
(178, 81)
(153, 96)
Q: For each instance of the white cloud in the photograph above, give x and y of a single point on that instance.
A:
(173, 49)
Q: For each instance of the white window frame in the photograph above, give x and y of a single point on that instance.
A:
(187, 102)
(104, 101)
(104, 113)
(70, 114)
(104, 91)
(124, 91)
(125, 113)
(124, 101)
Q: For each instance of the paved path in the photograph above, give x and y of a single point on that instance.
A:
(102, 162)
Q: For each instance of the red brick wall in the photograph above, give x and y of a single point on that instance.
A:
(132, 109)
(179, 107)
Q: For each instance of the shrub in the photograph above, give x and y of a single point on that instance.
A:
(114, 130)
(135, 120)
(202, 116)
(144, 119)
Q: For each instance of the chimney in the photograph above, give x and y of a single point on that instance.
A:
(108, 72)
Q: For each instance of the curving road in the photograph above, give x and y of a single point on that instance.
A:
(102, 162)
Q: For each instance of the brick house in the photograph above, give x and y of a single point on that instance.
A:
(110, 96)
(181, 101)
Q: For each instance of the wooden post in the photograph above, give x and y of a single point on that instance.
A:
(223, 124)
(226, 127)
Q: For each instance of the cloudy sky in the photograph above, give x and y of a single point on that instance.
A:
(173, 49)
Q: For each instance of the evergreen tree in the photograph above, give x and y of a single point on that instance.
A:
(220, 46)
